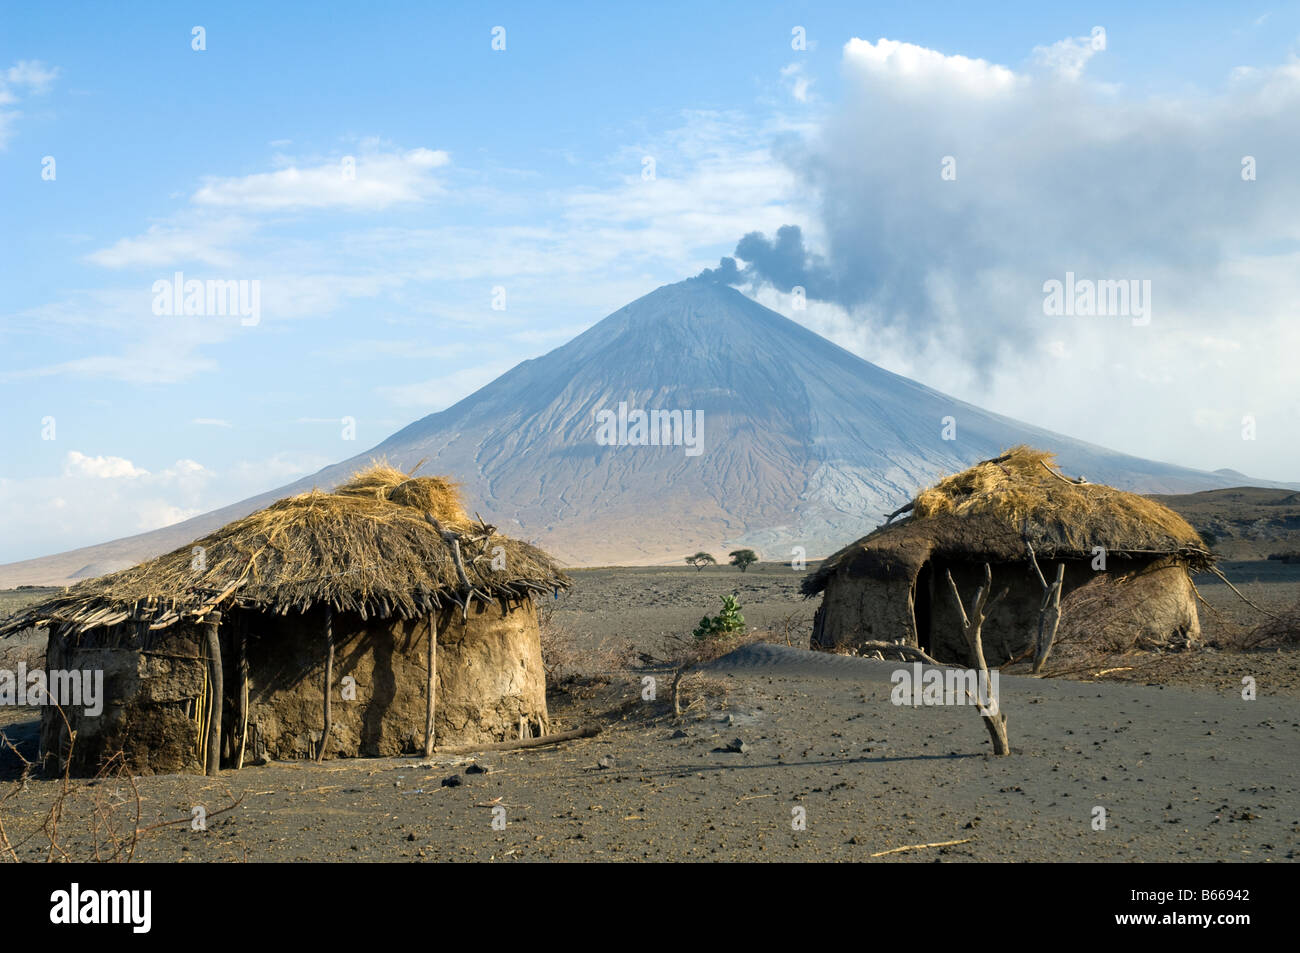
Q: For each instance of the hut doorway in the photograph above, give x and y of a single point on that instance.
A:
(923, 607)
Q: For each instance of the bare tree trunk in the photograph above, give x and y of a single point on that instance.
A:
(995, 720)
(1049, 613)
(329, 681)
(429, 702)
(677, 683)
(996, 723)
(1049, 619)
(210, 625)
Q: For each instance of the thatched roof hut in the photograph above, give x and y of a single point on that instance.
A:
(891, 585)
(360, 585)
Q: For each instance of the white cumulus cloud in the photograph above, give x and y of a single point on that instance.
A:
(78, 464)
(915, 71)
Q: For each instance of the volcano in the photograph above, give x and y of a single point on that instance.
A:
(783, 440)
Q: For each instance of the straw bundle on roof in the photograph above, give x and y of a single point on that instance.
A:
(428, 494)
(366, 547)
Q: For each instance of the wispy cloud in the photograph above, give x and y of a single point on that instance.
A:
(23, 79)
(1067, 58)
(369, 182)
(207, 241)
(798, 81)
(30, 74)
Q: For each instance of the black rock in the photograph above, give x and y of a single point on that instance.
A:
(454, 781)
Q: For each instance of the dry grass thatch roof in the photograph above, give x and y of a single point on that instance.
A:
(366, 547)
(989, 512)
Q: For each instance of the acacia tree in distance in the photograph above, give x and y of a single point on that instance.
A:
(700, 560)
(742, 559)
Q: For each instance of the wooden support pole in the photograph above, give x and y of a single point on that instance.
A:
(211, 623)
(201, 707)
(329, 681)
(243, 692)
(430, 698)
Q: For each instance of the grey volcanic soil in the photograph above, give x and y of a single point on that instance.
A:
(1189, 772)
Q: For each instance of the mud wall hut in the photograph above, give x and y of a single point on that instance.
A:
(891, 585)
(219, 653)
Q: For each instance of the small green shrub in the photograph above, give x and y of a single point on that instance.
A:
(728, 622)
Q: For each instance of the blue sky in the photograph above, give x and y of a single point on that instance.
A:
(522, 169)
